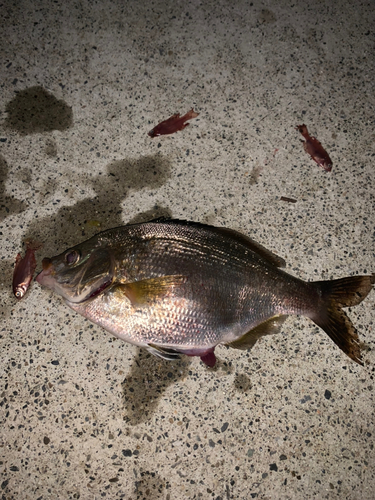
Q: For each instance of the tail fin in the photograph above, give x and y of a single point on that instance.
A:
(334, 295)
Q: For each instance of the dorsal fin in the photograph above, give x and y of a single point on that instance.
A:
(244, 240)
(256, 247)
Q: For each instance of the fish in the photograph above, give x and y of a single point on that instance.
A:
(173, 124)
(24, 269)
(314, 148)
(182, 288)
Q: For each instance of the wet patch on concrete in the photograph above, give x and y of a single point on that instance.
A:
(267, 17)
(150, 485)
(242, 383)
(51, 148)
(34, 110)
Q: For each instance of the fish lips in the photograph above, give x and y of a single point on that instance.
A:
(46, 276)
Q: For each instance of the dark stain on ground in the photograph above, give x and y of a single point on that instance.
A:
(34, 110)
(242, 382)
(267, 16)
(146, 383)
(149, 485)
(8, 204)
(51, 148)
(74, 224)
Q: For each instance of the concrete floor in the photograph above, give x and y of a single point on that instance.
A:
(84, 415)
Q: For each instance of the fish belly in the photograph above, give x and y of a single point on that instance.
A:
(199, 313)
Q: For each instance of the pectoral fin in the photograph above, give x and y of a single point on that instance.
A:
(268, 327)
(145, 291)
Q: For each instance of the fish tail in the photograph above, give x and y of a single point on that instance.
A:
(334, 295)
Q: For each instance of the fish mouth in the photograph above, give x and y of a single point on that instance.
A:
(45, 276)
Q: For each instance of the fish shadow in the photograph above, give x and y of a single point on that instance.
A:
(71, 225)
(8, 204)
(146, 383)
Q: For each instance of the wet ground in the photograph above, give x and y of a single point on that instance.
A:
(84, 415)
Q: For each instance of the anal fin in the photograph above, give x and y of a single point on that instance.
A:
(268, 327)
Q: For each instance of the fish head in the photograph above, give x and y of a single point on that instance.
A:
(80, 273)
(326, 164)
(20, 290)
(153, 133)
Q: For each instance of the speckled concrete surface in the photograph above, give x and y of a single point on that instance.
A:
(86, 416)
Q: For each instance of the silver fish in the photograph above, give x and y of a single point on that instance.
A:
(177, 287)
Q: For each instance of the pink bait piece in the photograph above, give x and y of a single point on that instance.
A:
(173, 124)
(313, 147)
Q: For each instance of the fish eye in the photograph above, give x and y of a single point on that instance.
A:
(19, 294)
(72, 257)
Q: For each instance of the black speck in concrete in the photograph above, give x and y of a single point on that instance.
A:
(273, 467)
(4, 484)
(327, 394)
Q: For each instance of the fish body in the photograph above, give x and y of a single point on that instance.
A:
(177, 287)
(314, 148)
(24, 269)
(173, 124)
